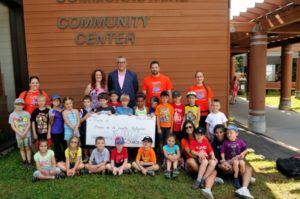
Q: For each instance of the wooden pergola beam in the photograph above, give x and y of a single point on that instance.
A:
(241, 26)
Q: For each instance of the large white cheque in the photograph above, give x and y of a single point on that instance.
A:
(132, 128)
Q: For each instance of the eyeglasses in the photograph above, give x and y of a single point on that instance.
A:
(188, 127)
(219, 132)
(74, 142)
(121, 62)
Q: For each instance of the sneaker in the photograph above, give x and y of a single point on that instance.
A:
(127, 171)
(34, 179)
(207, 193)
(29, 165)
(252, 180)
(202, 184)
(219, 180)
(62, 175)
(167, 174)
(24, 163)
(196, 184)
(176, 173)
(83, 172)
(244, 193)
(236, 183)
(151, 173)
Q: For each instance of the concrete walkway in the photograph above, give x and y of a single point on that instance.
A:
(283, 130)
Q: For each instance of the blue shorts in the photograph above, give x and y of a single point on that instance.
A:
(38, 173)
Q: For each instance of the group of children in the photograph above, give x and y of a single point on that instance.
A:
(65, 127)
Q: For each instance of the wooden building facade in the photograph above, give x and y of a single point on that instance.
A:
(67, 39)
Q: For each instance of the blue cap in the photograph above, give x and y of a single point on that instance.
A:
(233, 127)
(119, 140)
(54, 97)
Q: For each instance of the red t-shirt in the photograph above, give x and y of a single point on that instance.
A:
(119, 157)
(31, 101)
(178, 117)
(186, 146)
(203, 146)
(202, 97)
(155, 85)
(114, 104)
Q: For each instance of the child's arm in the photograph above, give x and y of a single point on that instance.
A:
(78, 160)
(207, 131)
(67, 164)
(53, 170)
(243, 154)
(27, 128)
(34, 130)
(172, 122)
(222, 158)
(38, 167)
(86, 117)
(166, 154)
(198, 116)
(17, 130)
(49, 132)
(78, 121)
(158, 124)
(178, 153)
(212, 155)
(68, 123)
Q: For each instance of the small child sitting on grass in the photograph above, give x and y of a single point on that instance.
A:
(45, 164)
(146, 158)
(172, 155)
(73, 156)
(99, 157)
(119, 158)
(233, 152)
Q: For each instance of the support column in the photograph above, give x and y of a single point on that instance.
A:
(232, 67)
(286, 76)
(297, 92)
(257, 82)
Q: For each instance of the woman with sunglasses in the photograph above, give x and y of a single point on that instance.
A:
(191, 164)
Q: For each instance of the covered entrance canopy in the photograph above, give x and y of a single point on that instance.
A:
(272, 23)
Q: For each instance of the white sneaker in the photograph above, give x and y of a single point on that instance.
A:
(207, 193)
(219, 180)
(244, 193)
(252, 180)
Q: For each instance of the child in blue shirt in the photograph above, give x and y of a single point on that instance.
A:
(172, 155)
(124, 109)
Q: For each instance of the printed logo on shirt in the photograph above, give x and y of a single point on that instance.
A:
(156, 87)
(42, 123)
(177, 117)
(190, 115)
(200, 94)
(202, 149)
(164, 114)
(233, 151)
(20, 122)
(33, 100)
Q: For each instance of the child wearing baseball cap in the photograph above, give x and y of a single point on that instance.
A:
(119, 158)
(191, 110)
(146, 158)
(19, 121)
(233, 152)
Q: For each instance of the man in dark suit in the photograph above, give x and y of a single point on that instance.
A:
(123, 80)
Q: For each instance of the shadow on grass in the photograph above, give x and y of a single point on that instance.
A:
(269, 179)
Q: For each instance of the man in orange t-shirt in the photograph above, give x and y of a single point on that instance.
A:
(155, 83)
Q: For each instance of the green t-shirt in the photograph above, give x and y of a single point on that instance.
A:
(44, 160)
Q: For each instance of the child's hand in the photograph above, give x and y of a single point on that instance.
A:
(120, 171)
(53, 171)
(114, 171)
(241, 156)
(22, 136)
(35, 136)
(159, 130)
(222, 161)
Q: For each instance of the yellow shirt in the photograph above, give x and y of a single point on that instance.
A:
(72, 155)
(192, 113)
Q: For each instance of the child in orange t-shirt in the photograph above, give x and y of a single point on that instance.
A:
(164, 116)
(146, 158)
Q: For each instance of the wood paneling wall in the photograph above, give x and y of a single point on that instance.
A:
(184, 36)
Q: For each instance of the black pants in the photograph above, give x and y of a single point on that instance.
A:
(60, 146)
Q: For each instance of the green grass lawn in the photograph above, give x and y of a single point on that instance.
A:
(15, 182)
(273, 98)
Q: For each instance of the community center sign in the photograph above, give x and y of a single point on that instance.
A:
(132, 128)
(115, 23)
